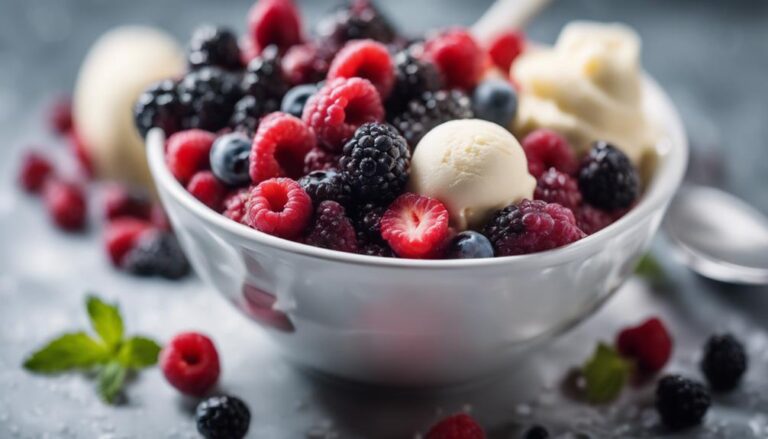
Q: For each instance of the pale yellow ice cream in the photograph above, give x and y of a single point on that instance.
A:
(119, 66)
(474, 167)
(587, 87)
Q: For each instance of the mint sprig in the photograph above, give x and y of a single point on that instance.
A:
(605, 374)
(109, 352)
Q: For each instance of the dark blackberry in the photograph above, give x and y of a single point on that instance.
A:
(246, 115)
(222, 417)
(367, 220)
(332, 229)
(724, 362)
(159, 106)
(380, 249)
(607, 178)
(375, 163)
(356, 20)
(681, 402)
(264, 80)
(157, 254)
(412, 78)
(326, 185)
(430, 110)
(214, 46)
(536, 432)
(209, 95)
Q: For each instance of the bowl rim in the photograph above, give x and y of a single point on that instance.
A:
(672, 152)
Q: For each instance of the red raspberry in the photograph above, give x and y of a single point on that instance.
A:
(320, 160)
(365, 59)
(66, 204)
(274, 22)
(80, 152)
(119, 201)
(546, 149)
(159, 218)
(556, 187)
(306, 63)
(458, 426)
(591, 219)
(415, 226)
(341, 107)
(35, 171)
(505, 48)
(190, 363)
(279, 147)
(60, 116)
(121, 236)
(278, 206)
(187, 152)
(332, 228)
(649, 344)
(208, 189)
(234, 205)
(457, 56)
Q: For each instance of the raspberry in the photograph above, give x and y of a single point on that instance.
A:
(120, 202)
(156, 253)
(458, 426)
(415, 226)
(121, 235)
(505, 48)
(357, 20)
(278, 206)
(159, 218)
(80, 152)
(339, 108)
(326, 185)
(214, 46)
(591, 219)
(159, 106)
(546, 149)
(208, 96)
(190, 363)
(319, 159)
(365, 59)
(681, 402)
(35, 171)
(607, 178)
(279, 147)
(649, 344)
(413, 77)
(306, 63)
(274, 22)
(264, 80)
(234, 205)
(430, 110)
(222, 417)
(66, 204)
(531, 226)
(208, 189)
(724, 362)
(556, 187)
(332, 229)
(60, 116)
(457, 56)
(188, 152)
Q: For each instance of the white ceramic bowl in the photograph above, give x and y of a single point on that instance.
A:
(417, 322)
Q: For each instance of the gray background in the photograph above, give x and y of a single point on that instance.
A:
(712, 58)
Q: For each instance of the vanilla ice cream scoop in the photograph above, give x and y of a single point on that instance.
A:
(474, 167)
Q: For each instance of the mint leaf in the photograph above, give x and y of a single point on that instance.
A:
(70, 351)
(106, 321)
(138, 352)
(605, 374)
(649, 268)
(111, 381)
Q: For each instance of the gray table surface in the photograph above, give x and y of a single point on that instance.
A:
(711, 56)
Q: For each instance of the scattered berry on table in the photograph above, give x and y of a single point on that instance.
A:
(365, 59)
(208, 96)
(415, 227)
(531, 226)
(280, 147)
(80, 152)
(35, 171)
(326, 185)
(190, 363)
(188, 152)
(505, 48)
(332, 229)
(608, 179)
(278, 206)
(546, 149)
(413, 77)
(296, 98)
(159, 218)
(66, 204)
(557, 187)
(120, 201)
(60, 116)
(307, 63)
(458, 426)
(495, 100)
(234, 205)
(536, 432)
(159, 106)
(246, 115)
(430, 110)
(648, 344)
(230, 159)
(222, 417)
(121, 236)
(681, 402)
(724, 362)
(156, 253)
(274, 22)
(319, 159)
(356, 20)
(469, 245)
(591, 219)
(208, 189)
(214, 46)
(339, 108)
(457, 56)
(264, 80)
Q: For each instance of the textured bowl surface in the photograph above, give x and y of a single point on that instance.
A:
(409, 322)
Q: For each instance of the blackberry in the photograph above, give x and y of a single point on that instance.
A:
(357, 20)
(157, 254)
(536, 432)
(246, 115)
(332, 229)
(264, 80)
(724, 362)
(159, 106)
(681, 402)
(412, 78)
(214, 46)
(367, 220)
(607, 178)
(326, 185)
(380, 249)
(209, 96)
(430, 110)
(222, 417)
(375, 163)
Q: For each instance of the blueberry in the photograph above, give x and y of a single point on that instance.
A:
(230, 157)
(157, 254)
(294, 100)
(470, 245)
(495, 100)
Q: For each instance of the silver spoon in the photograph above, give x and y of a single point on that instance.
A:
(718, 235)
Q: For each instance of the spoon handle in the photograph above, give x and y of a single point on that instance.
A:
(504, 15)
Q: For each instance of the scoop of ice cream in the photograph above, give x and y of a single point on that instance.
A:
(119, 66)
(474, 167)
(587, 87)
